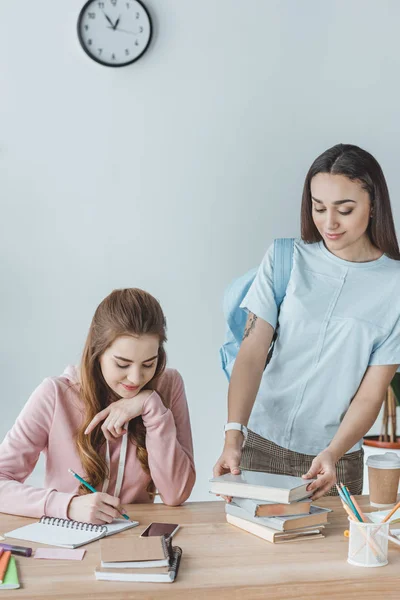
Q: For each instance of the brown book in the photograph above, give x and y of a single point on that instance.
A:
(260, 508)
(135, 552)
(318, 516)
(274, 536)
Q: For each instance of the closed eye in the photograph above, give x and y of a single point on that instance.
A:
(321, 210)
(126, 366)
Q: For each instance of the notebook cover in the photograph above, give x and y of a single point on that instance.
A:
(132, 548)
(268, 486)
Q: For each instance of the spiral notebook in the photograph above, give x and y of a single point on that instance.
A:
(67, 534)
(166, 574)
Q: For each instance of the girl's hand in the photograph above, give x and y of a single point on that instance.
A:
(323, 468)
(117, 414)
(98, 508)
(229, 460)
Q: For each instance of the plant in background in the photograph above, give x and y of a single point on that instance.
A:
(388, 436)
(392, 399)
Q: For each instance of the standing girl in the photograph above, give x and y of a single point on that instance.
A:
(121, 421)
(339, 334)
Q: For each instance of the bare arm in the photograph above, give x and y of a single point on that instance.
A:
(363, 409)
(245, 381)
(359, 418)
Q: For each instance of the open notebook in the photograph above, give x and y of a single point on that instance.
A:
(67, 534)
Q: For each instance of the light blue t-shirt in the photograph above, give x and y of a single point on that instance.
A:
(337, 318)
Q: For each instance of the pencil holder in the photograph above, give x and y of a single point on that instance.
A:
(368, 544)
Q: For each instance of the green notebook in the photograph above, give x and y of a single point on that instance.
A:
(10, 581)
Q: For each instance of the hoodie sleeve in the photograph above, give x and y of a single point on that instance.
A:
(169, 444)
(19, 453)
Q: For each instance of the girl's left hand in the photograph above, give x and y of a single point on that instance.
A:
(323, 468)
(117, 414)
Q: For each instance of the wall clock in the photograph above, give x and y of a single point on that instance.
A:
(114, 33)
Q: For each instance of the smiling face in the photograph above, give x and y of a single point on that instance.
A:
(129, 363)
(341, 211)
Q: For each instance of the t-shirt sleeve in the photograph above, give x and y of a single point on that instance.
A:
(388, 351)
(260, 299)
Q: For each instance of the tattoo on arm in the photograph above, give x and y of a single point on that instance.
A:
(251, 323)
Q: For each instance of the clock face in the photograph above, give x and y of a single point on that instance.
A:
(114, 33)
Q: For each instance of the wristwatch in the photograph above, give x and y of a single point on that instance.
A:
(237, 427)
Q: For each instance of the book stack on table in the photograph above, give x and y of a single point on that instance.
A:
(132, 558)
(274, 507)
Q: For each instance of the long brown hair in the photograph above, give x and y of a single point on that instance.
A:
(124, 312)
(358, 165)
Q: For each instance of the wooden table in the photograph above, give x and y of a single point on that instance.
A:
(219, 561)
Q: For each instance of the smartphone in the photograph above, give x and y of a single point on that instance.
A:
(159, 529)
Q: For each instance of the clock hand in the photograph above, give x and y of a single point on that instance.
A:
(116, 23)
(124, 31)
(108, 19)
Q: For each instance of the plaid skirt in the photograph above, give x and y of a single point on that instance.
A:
(260, 454)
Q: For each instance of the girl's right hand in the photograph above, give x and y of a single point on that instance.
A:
(97, 508)
(229, 460)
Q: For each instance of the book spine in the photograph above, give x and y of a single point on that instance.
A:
(263, 532)
(176, 561)
(236, 511)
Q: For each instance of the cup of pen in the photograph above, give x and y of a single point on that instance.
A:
(368, 544)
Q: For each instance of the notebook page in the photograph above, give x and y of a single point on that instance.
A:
(55, 535)
(119, 525)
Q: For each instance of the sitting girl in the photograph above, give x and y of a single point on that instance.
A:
(121, 421)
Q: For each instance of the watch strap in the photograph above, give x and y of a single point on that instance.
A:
(237, 427)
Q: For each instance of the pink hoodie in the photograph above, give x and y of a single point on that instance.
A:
(48, 423)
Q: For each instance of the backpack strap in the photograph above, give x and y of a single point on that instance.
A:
(235, 316)
(283, 261)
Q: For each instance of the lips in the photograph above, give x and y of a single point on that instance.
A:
(334, 236)
(130, 388)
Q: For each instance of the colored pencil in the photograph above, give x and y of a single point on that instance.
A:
(391, 513)
(4, 560)
(363, 517)
(349, 502)
(92, 489)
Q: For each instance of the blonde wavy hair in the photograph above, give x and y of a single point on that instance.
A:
(128, 311)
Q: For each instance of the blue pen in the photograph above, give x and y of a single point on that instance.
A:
(91, 488)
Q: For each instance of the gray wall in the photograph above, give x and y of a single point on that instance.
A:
(173, 174)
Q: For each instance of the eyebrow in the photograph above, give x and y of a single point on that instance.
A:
(131, 361)
(336, 201)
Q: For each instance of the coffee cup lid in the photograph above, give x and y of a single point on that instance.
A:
(388, 460)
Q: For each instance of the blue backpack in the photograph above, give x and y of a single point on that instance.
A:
(236, 317)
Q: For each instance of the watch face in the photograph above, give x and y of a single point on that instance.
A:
(114, 33)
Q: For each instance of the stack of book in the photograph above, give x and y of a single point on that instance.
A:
(276, 508)
(133, 558)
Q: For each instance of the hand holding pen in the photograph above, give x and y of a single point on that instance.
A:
(97, 508)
